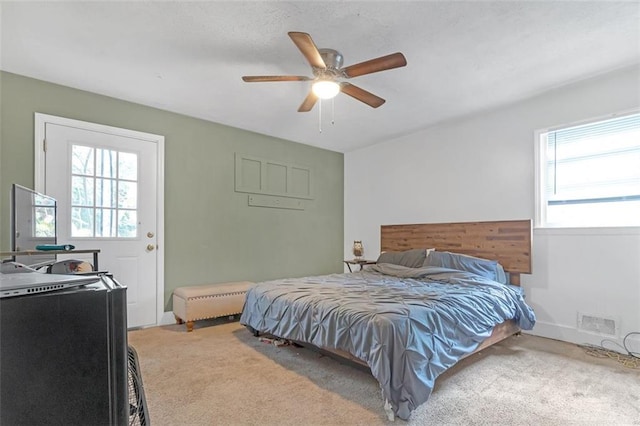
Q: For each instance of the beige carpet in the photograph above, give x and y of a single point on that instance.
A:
(221, 375)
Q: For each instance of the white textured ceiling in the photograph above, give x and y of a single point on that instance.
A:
(462, 57)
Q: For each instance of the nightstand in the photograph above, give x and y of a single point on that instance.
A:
(360, 262)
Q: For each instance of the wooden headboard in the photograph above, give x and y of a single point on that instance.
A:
(508, 242)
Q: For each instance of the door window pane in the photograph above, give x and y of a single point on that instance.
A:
(128, 166)
(82, 160)
(81, 222)
(106, 223)
(106, 163)
(127, 223)
(81, 191)
(128, 195)
(104, 193)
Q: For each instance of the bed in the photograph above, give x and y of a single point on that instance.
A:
(438, 293)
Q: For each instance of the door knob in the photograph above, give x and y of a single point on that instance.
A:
(150, 247)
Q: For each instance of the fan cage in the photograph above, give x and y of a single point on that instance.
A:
(138, 413)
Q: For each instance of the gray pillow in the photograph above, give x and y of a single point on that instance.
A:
(484, 267)
(409, 258)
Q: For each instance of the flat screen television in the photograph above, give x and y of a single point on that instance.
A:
(33, 222)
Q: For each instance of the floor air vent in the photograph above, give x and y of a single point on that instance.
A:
(599, 325)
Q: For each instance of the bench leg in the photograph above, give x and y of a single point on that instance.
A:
(181, 321)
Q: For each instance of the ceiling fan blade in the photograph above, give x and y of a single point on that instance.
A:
(259, 78)
(361, 95)
(308, 48)
(308, 102)
(395, 60)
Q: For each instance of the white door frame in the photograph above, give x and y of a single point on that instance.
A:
(39, 180)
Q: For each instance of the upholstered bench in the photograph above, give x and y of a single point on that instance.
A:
(208, 301)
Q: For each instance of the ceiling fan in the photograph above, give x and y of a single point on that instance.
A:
(329, 76)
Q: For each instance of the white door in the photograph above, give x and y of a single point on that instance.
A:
(105, 181)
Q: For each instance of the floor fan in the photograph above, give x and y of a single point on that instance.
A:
(138, 413)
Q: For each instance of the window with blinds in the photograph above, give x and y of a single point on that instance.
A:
(590, 174)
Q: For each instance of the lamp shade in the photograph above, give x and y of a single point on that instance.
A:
(325, 89)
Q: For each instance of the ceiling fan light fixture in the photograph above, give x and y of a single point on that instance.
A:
(325, 89)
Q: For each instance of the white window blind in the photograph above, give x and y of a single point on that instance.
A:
(591, 174)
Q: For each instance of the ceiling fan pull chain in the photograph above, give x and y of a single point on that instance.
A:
(333, 111)
(320, 116)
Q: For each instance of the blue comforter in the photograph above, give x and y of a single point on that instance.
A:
(408, 324)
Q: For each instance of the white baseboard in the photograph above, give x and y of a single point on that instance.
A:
(167, 318)
(573, 335)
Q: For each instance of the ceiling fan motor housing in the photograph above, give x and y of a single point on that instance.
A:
(333, 61)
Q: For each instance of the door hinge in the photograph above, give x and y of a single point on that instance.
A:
(44, 145)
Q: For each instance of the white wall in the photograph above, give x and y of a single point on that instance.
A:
(482, 168)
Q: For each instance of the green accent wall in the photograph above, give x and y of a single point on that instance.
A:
(211, 233)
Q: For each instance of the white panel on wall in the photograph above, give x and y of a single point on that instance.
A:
(300, 181)
(276, 181)
(257, 200)
(250, 174)
(263, 176)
